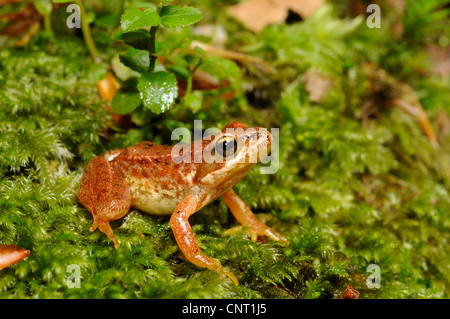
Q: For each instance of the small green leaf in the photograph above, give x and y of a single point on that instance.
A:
(158, 91)
(180, 71)
(175, 16)
(178, 66)
(221, 68)
(139, 18)
(194, 101)
(125, 102)
(90, 17)
(62, 1)
(43, 6)
(120, 35)
(137, 39)
(143, 4)
(137, 60)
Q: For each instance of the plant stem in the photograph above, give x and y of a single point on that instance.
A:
(152, 48)
(191, 77)
(87, 32)
(47, 23)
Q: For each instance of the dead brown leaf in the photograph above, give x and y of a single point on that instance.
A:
(440, 60)
(27, 37)
(394, 94)
(10, 254)
(19, 22)
(200, 81)
(107, 88)
(256, 14)
(348, 293)
(317, 85)
(415, 108)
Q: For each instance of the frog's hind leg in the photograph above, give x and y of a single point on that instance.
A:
(105, 194)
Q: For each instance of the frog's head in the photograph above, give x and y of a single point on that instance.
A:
(232, 152)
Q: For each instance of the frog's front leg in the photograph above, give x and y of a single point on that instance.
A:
(186, 239)
(105, 193)
(245, 216)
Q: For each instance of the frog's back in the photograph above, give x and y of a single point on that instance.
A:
(156, 181)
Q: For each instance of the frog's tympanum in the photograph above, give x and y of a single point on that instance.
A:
(154, 179)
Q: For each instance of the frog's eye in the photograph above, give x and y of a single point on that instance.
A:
(226, 146)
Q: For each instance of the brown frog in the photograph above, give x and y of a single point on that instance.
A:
(156, 180)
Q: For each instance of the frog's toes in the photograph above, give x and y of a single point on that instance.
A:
(269, 232)
(231, 276)
(250, 231)
(93, 226)
(224, 272)
(105, 228)
(257, 230)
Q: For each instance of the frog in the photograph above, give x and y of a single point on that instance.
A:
(161, 180)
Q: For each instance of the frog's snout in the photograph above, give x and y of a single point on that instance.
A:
(264, 137)
(264, 141)
(253, 143)
(269, 139)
